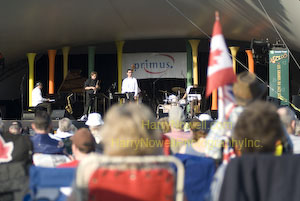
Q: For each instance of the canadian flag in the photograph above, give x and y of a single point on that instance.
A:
(219, 71)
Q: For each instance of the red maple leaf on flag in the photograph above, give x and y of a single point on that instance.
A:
(5, 150)
(212, 60)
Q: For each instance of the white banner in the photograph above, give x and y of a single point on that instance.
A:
(155, 65)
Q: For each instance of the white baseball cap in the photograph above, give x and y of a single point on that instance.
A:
(204, 117)
(94, 119)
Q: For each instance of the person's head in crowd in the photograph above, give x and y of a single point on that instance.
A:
(65, 125)
(176, 118)
(95, 122)
(42, 123)
(248, 88)
(288, 118)
(199, 128)
(129, 129)
(258, 129)
(15, 128)
(83, 143)
(164, 125)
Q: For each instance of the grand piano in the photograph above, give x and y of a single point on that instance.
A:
(70, 94)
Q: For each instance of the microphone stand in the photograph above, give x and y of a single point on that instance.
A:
(110, 96)
(153, 90)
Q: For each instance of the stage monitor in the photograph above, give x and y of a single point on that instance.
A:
(57, 114)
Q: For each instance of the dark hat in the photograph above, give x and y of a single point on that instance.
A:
(248, 88)
(84, 140)
(17, 123)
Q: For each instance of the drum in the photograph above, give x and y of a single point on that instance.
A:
(192, 97)
(182, 102)
(173, 100)
(195, 107)
(163, 110)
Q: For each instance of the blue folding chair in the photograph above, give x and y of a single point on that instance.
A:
(51, 184)
(199, 172)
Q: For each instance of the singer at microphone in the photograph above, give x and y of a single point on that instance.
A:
(91, 86)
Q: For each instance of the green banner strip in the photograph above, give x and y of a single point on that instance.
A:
(279, 75)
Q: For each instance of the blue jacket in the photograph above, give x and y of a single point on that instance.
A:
(42, 143)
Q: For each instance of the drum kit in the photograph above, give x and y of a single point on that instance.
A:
(171, 100)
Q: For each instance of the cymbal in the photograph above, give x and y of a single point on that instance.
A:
(162, 91)
(176, 89)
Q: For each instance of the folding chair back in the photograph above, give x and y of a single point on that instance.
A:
(129, 178)
(199, 172)
(50, 184)
(147, 185)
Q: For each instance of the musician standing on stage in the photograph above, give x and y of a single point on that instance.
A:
(38, 100)
(130, 87)
(91, 86)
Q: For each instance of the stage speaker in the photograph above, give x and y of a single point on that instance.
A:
(28, 116)
(273, 100)
(214, 114)
(57, 114)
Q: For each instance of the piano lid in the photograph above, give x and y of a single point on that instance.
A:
(73, 82)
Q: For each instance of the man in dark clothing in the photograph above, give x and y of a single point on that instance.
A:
(257, 131)
(91, 86)
(41, 140)
(22, 146)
